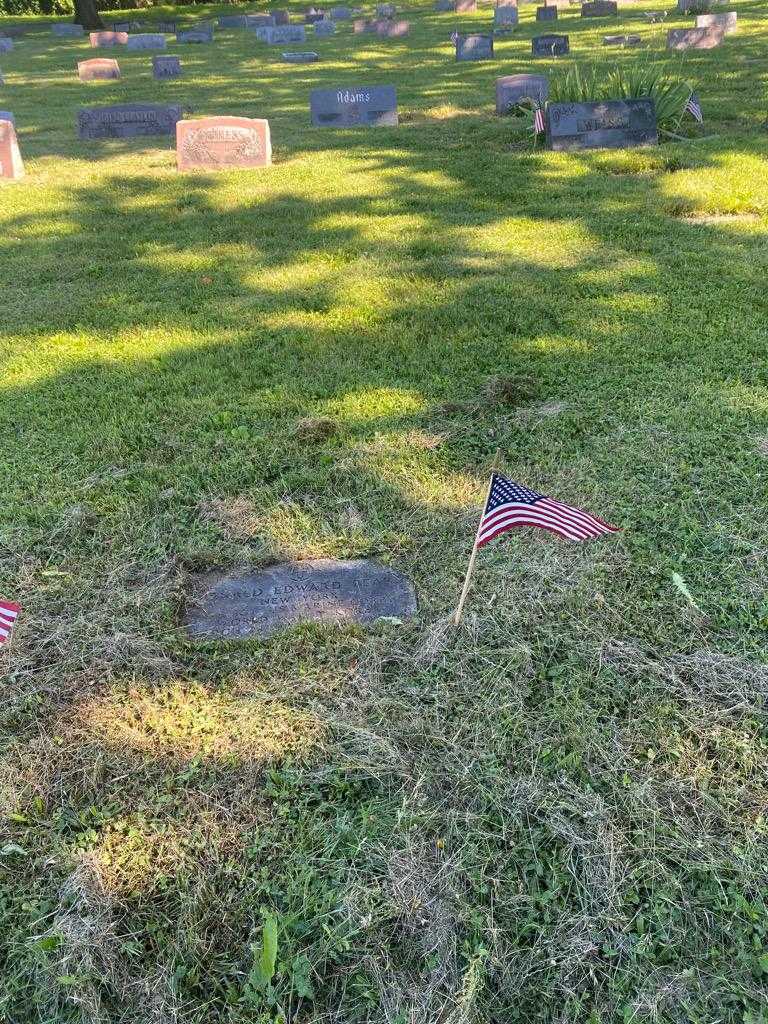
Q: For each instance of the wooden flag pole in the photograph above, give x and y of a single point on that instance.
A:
(473, 556)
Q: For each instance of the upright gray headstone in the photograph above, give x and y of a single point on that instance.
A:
(232, 21)
(146, 41)
(166, 67)
(253, 21)
(125, 120)
(474, 47)
(513, 89)
(549, 46)
(361, 105)
(600, 9)
(340, 13)
(608, 124)
(202, 33)
(323, 590)
(281, 17)
(165, 26)
(65, 31)
(505, 15)
(325, 28)
(727, 21)
(546, 13)
(282, 34)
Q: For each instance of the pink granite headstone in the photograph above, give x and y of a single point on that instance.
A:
(218, 143)
(108, 38)
(11, 165)
(97, 68)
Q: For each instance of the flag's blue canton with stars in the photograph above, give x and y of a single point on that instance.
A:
(510, 504)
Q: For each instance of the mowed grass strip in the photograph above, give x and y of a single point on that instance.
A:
(558, 811)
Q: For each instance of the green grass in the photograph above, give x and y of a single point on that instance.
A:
(556, 812)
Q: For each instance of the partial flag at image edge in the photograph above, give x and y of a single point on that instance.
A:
(9, 612)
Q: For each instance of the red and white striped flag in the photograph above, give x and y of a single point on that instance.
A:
(9, 612)
(538, 121)
(693, 107)
(510, 505)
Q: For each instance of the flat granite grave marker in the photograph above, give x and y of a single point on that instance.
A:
(728, 21)
(166, 67)
(474, 47)
(97, 69)
(600, 9)
(6, 45)
(146, 41)
(363, 105)
(216, 143)
(608, 124)
(546, 13)
(300, 57)
(199, 34)
(513, 89)
(98, 39)
(321, 590)
(325, 28)
(549, 46)
(67, 31)
(282, 34)
(630, 40)
(392, 29)
(11, 164)
(127, 120)
(695, 38)
(505, 14)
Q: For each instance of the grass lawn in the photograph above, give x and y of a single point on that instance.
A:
(557, 812)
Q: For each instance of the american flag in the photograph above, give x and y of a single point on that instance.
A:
(510, 505)
(9, 612)
(538, 120)
(693, 107)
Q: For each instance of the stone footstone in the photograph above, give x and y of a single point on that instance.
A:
(11, 165)
(322, 590)
(300, 57)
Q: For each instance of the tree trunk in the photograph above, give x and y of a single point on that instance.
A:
(87, 15)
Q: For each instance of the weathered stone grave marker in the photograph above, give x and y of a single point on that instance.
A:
(474, 47)
(549, 46)
(126, 120)
(168, 27)
(362, 105)
(513, 89)
(322, 590)
(281, 17)
(11, 164)
(600, 9)
(608, 124)
(728, 21)
(166, 67)
(392, 29)
(628, 40)
(282, 34)
(98, 39)
(202, 33)
(67, 31)
(325, 28)
(695, 38)
(300, 57)
(146, 41)
(546, 13)
(217, 143)
(99, 68)
(505, 16)
(341, 13)
(385, 10)
(233, 21)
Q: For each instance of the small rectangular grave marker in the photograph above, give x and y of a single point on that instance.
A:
(325, 28)
(217, 143)
(695, 38)
(362, 105)
(11, 165)
(166, 26)
(630, 40)
(260, 604)
(362, 25)
(253, 21)
(121, 26)
(600, 9)
(505, 15)
(202, 33)
(146, 41)
(126, 120)
(546, 13)
(549, 46)
(300, 57)
(392, 29)
(727, 21)
(97, 69)
(99, 39)
(282, 34)
(609, 124)
(474, 47)
(385, 10)
(166, 67)
(233, 21)
(67, 31)
(341, 13)
(513, 89)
